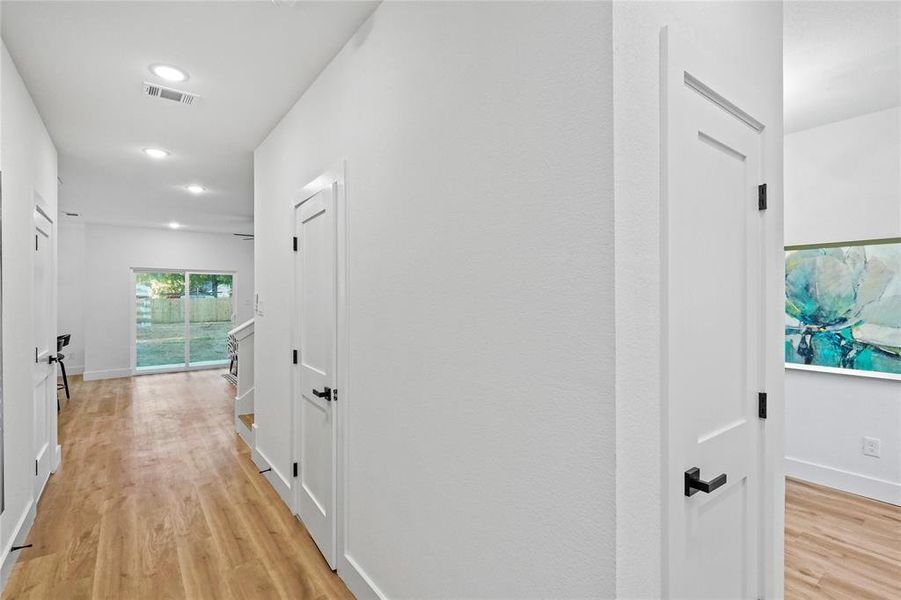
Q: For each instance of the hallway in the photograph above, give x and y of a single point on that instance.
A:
(158, 498)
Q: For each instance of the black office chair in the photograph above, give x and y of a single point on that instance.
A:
(61, 342)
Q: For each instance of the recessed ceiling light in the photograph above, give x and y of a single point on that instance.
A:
(156, 153)
(195, 188)
(169, 73)
(174, 225)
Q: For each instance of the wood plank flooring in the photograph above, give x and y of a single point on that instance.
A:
(157, 498)
(840, 546)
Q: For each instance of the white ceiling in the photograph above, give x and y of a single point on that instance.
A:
(84, 63)
(842, 59)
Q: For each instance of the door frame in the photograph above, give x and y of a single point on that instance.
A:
(770, 449)
(133, 347)
(334, 176)
(52, 454)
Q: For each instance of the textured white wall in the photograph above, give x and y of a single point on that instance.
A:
(29, 168)
(843, 183)
(111, 252)
(481, 428)
(749, 36)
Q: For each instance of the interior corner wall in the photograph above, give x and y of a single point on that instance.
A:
(110, 253)
(745, 34)
(28, 162)
(478, 144)
(843, 183)
(71, 279)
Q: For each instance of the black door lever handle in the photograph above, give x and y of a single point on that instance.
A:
(694, 484)
(325, 393)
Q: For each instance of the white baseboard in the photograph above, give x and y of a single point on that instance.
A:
(281, 485)
(57, 459)
(21, 530)
(357, 581)
(74, 369)
(855, 483)
(107, 374)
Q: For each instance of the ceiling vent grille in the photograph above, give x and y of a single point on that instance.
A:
(158, 91)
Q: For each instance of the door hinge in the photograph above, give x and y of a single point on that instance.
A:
(294, 356)
(295, 469)
(35, 354)
(35, 468)
(295, 243)
(35, 242)
(761, 405)
(335, 395)
(761, 196)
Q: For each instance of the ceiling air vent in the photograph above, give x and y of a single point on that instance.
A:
(158, 91)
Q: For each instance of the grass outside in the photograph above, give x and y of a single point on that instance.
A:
(162, 344)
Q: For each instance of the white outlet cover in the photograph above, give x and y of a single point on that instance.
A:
(871, 446)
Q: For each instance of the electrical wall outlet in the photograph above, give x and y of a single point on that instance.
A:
(871, 446)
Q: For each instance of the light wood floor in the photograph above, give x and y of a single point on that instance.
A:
(158, 498)
(840, 546)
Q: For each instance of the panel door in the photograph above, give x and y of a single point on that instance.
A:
(44, 371)
(315, 410)
(713, 321)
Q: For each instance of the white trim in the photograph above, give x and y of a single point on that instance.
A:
(74, 370)
(106, 374)
(854, 483)
(846, 372)
(356, 579)
(20, 534)
(57, 458)
(278, 482)
(178, 369)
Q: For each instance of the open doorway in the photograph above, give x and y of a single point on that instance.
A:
(182, 320)
(842, 164)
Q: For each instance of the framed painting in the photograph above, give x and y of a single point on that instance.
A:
(843, 307)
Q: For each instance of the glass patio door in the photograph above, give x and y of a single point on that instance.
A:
(182, 319)
(210, 308)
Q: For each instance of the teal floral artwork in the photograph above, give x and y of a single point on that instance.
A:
(843, 306)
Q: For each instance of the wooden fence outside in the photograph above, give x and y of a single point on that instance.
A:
(172, 310)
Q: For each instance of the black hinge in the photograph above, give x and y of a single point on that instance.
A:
(761, 196)
(761, 405)
(35, 468)
(335, 395)
(294, 356)
(295, 469)
(35, 242)
(295, 243)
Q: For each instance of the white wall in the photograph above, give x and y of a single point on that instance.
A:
(481, 415)
(843, 183)
(106, 296)
(29, 168)
(844, 180)
(71, 288)
(745, 34)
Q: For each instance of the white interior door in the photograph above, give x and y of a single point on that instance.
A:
(713, 324)
(44, 371)
(315, 380)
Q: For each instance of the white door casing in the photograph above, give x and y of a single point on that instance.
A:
(713, 242)
(44, 371)
(315, 396)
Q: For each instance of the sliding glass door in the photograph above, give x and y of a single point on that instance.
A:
(210, 307)
(182, 319)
